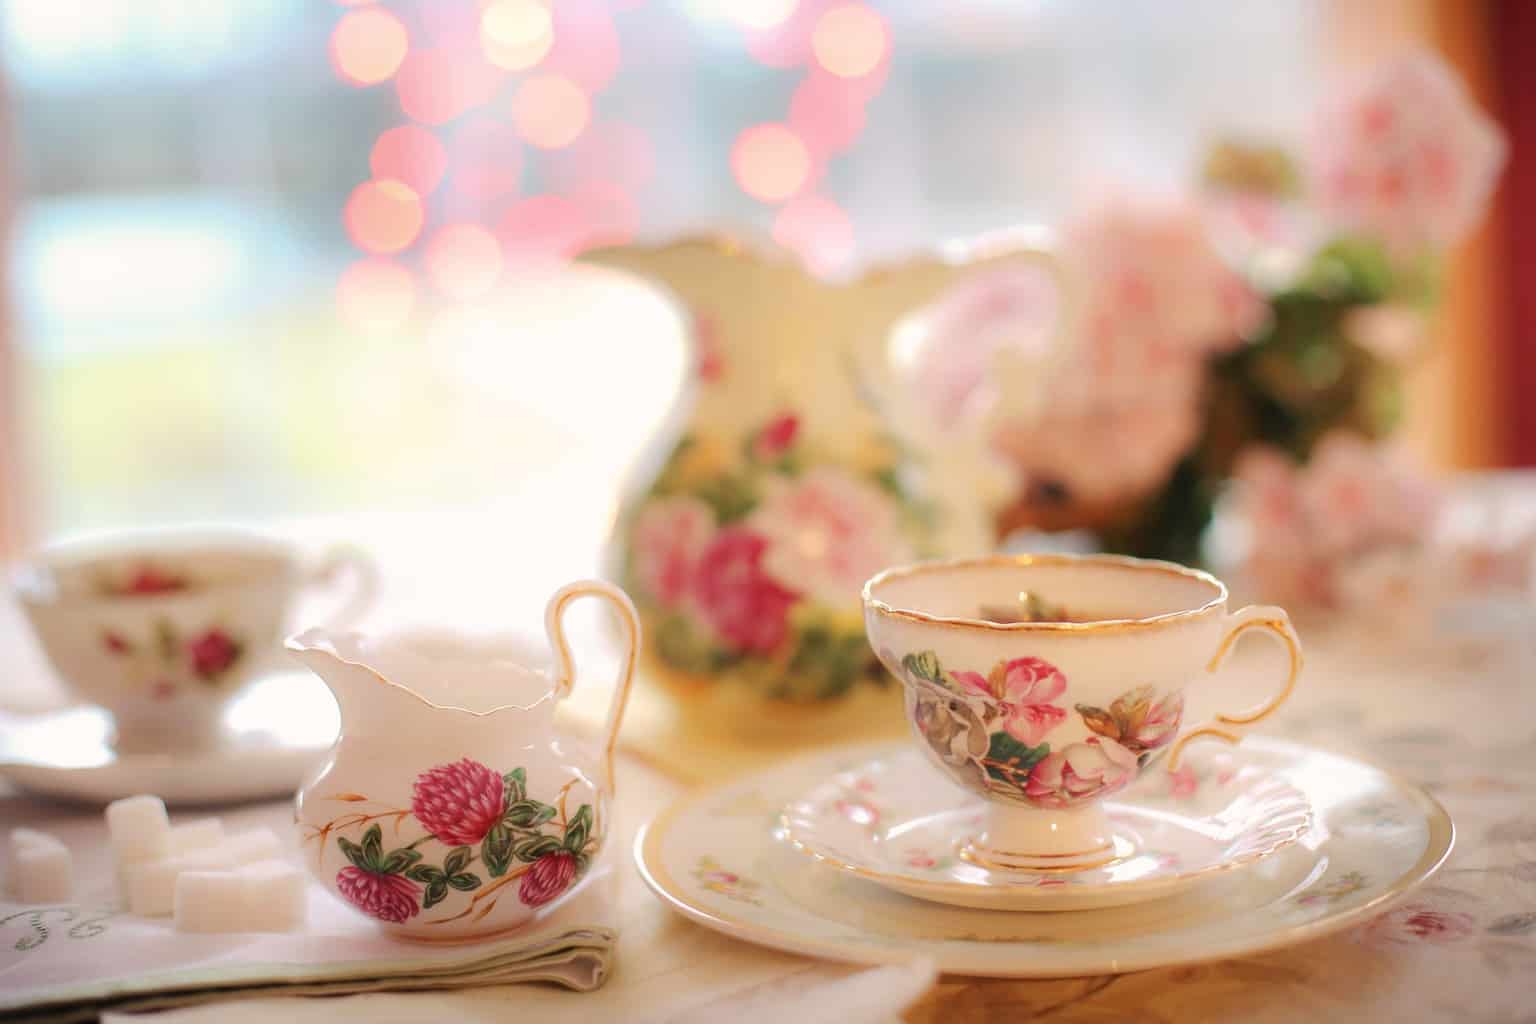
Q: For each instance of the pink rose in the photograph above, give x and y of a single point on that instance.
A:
(1025, 688)
(460, 802)
(776, 438)
(668, 537)
(1419, 922)
(212, 654)
(1083, 771)
(1161, 724)
(547, 877)
(827, 532)
(737, 597)
(392, 898)
(1406, 156)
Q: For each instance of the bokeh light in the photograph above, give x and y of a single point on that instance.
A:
(411, 154)
(770, 162)
(826, 113)
(463, 261)
(487, 158)
(788, 43)
(543, 228)
(368, 45)
(383, 216)
(550, 111)
(437, 85)
(609, 213)
(850, 40)
(758, 14)
(516, 34)
(586, 44)
(608, 151)
(375, 296)
(818, 230)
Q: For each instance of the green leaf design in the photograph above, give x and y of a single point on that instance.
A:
(399, 860)
(167, 641)
(426, 874)
(516, 782)
(352, 852)
(436, 893)
(457, 860)
(924, 665)
(496, 850)
(578, 829)
(1019, 757)
(533, 848)
(528, 814)
(464, 883)
(373, 848)
(1514, 924)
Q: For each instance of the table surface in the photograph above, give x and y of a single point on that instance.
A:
(1455, 712)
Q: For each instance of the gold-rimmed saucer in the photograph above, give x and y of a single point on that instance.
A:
(1374, 838)
(896, 822)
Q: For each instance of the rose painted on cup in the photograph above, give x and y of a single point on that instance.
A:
(1045, 719)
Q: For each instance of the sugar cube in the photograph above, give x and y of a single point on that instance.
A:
(196, 835)
(276, 896)
(210, 901)
(139, 828)
(42, 873)
(151, 888)
(251, 846)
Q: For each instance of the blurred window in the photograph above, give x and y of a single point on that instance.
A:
(258, 243)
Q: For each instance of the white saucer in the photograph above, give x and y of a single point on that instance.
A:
(715, 858)
(278, 731)
(897, 822)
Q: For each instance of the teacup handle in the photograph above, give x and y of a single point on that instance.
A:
(554, 612)
(346, 559)
(1232, 727)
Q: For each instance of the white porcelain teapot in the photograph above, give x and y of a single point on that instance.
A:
(449, 807)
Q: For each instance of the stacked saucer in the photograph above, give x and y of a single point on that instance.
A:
(1241, 851)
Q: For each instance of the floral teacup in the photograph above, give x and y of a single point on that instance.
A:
(163, 627)
(1046, 718)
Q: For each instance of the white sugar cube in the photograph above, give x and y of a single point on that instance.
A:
(196, 835)
(210, 901)
(43, 873)
(151, 887)
(276, 896)
(139, 829)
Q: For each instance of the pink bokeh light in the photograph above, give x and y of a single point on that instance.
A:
(817, 229)
(436, 85)
(411, 154)
(487, 158)
(771, 162)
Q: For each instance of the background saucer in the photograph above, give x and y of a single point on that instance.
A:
(1375, 837)
(278, 731)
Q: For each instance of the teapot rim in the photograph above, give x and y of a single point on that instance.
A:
(323, 641)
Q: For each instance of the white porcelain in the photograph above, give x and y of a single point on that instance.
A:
(893, 820)
(1045, 719)
(162, 628)
(273, 735)
(450, 807)
(716, 859)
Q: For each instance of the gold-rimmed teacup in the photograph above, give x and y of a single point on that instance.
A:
(1046, 683)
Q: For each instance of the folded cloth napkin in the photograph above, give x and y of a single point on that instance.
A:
(67, 963)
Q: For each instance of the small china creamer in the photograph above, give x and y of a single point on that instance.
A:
(450, 808)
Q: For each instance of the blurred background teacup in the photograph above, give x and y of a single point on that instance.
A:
(161, 628)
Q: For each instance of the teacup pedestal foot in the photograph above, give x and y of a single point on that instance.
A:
(1025, 839)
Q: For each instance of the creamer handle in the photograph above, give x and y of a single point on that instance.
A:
(554, 612)
(1232, 727)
